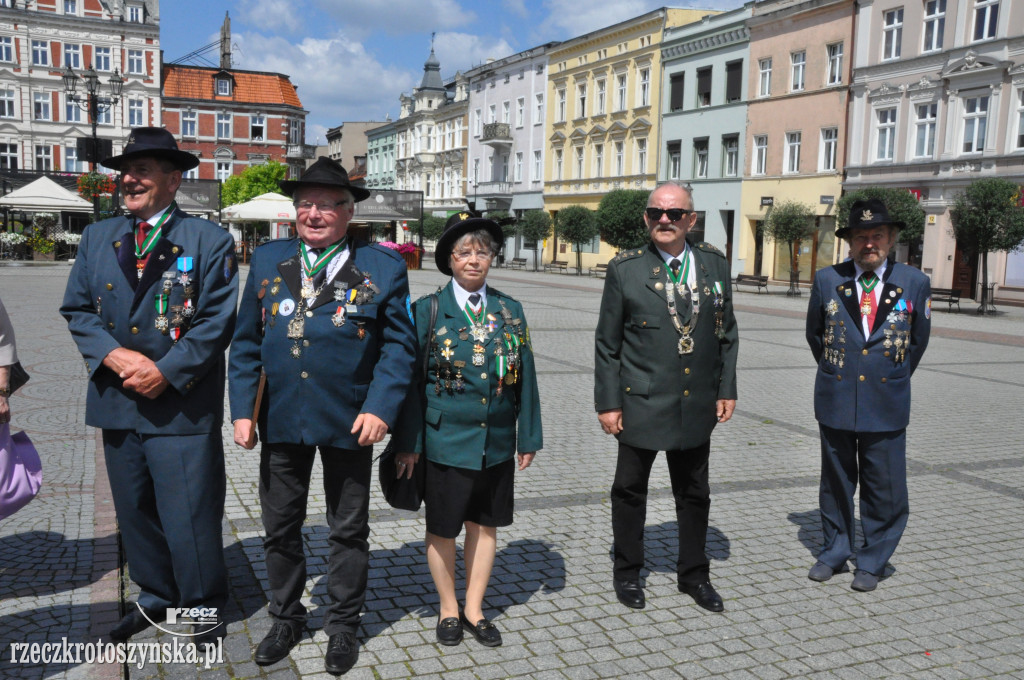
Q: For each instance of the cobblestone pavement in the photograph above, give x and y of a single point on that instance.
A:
(951, 607)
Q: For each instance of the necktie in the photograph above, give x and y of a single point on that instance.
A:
(474, 301)
(868, 308)
(320, 276)
(140, 238)
(674, 265)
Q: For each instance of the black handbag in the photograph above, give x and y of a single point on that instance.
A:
(405, 493)
(17, 378)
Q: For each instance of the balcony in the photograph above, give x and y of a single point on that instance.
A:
(300, 151)
(498, 193)
(497, 134)
(424, 157)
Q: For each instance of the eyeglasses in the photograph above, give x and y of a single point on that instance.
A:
(463, 255)
(674, 214)
(325, 207)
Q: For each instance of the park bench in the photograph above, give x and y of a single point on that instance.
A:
(601, 269)
(752, 280)
(947, 295)
(560, 265)
(516, 263)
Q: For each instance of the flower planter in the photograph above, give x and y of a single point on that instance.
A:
(412, 260)
(42, 257)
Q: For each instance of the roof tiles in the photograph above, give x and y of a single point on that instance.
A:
(193, 82)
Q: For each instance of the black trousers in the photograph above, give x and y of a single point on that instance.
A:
(688, 469)
(284, 488)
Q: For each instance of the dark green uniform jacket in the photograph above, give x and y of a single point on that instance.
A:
(667, 399)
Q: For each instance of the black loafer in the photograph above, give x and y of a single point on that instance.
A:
(208, 634)
(135, 622)
(276, 644)
(342, 653)
(449, 631)
(485, 632)
(630, 593)
(703, 594)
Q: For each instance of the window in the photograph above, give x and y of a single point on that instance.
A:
(620, 92)
(135, 113)
(223, 87)
(675, 91)
(793, 151)
(731, 149)
(536, 167)
(72, 112)
(295, 131)
(105, 117)
(101, 56)
(700, 158)
(188, 123)
(620, 160)
(44, 157)
(503, 174)
(578, 168)
(829, 148)
(41, 106)
(257, 127)
(798, 61)
(538, 109)
(506, 112)
(72, 55)
(934, 24)
(581, 100)
(223, 126)
(886, 134)
(223, 171)
(560, 107)
(760, 160)
(892, 22)
(733, 81)
(135, 64)
(70, 6)
(599, 160)
(40, 53)
(477, 122)
(645, 87)
(558, 164)
(835, 64)
(135, 14)
(517, 170)
(191, 173)
(765, 83)
(927, 115)
(1020, 118)
(71, 163)
(674, 152)
(641, 156)
(986, 15)
(602, 87)
(7, 103)
(520, 111)
(975, 119)
(6, 48)
(704, 87)
(8, 156)
(476, 171)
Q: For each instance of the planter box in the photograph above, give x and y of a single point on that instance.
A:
(412, 260)
(42, 257)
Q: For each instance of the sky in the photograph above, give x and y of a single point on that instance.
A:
(352, 59)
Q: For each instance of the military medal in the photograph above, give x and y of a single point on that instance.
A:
(99, 305)
(478, 355)
(338, 318)
(832, 307)
(184, 266)
(307, 288)
(460, 384)
(263, 289)
(339, 291)
(296, 327)
(441, 331)
(447, 351)
(361, 332)
(476, 323)
(273, 313)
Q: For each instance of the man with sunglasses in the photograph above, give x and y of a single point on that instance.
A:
(664, 376)
(325, 317)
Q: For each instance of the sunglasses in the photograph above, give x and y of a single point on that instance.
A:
(674, 214)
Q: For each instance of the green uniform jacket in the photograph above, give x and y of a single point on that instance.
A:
(667, 399)
(458, 427)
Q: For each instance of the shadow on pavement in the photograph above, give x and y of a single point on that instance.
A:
(51, 625)
(808, 529)
(36, 563)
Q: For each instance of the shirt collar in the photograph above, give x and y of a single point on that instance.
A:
(462, 295)
(879, 272)
(154, 218)
(668, 258)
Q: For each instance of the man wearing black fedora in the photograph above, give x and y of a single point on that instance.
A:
(151, 304)
(326, 318)
(868, 322)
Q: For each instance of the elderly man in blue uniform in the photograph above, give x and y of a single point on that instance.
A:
(664, 376)
(151, 304)
(867, 325)
(325, 317)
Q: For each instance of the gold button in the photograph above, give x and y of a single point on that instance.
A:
(309, 312)
(117, 244)
(110, 324)
(839, 377)
(483, 376)
(686, 371)
(110, 286)
(174, 250)
(892, 325)
(304, 375)
(887, 353)
(305, 343)
(135, 330)
(484, 400)
(842, 350)
(483, 424)
(864, 352)
(686, 393)
(883, 379)
(628, 389)
(842, 323)
(861, 378)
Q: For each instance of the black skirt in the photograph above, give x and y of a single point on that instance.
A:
(456, 495)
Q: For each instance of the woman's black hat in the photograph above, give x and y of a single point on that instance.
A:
(325, 173)
(153, 142)
(458, 224)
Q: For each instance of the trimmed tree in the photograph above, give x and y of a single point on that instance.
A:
(254, 181)
(901, 204)
(430, 227)
(577, 225)
(620, 218)
(988, 217)
(789, 222)
(535, 225)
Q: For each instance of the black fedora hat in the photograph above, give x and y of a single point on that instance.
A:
(153, 142)
(458, 224)
(868, 213)
(325, 173)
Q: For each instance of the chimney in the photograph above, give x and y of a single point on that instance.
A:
(225, 43)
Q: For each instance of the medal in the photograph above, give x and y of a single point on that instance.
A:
(478, 355)
(263, 289)
(296, 351)
(832, 307)
(99, 305)
(296, 327)
(338, 318)
(361, 333)
(479, 332)
(685, 345)
(273, 313)
(287, 307)
(184, 266)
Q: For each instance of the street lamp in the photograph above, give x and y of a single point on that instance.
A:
(93, 102)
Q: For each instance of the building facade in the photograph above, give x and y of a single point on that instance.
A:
(798, 98)
(703, 119)
(39, 126)
(347, 142)
(380, 157)
(938, 102)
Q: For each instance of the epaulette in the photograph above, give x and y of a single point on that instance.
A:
(708, 248)
(392, 253)
(628, 254)
(498, 293)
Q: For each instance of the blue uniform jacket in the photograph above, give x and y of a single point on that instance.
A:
(864, 385)
(107, 306)
(459, 426)
(317, 385)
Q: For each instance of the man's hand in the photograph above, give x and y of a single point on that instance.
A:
(138, 371)
(724, 409)
(525, 459)
(611, 421)
(243, 429)
(371, 429)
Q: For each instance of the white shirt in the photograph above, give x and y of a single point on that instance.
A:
(876, 292)
(462, 295)
(153, 219)
(333, 266)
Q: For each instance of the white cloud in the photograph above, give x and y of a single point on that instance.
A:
(463, 51)
(567, 19)
(397, 17)
(280, 15)
(516, 7)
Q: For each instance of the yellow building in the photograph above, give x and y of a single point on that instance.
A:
(602, 118)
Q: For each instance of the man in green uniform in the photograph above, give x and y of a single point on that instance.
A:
(664, 376)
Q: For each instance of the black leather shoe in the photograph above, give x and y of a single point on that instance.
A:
(703, 594)
(277, 643)
(208, 634)
(449, 631)
(342, 653)
(485, 632)
(630, 593)
(134, 622)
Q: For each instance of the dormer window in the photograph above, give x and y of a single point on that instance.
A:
(135, 14)
(223, 87)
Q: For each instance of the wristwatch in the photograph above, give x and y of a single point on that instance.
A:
(5, 391)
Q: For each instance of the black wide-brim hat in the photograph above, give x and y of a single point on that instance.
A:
(325, 173)
(458, 224)
(866, 214)
(152, 142)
